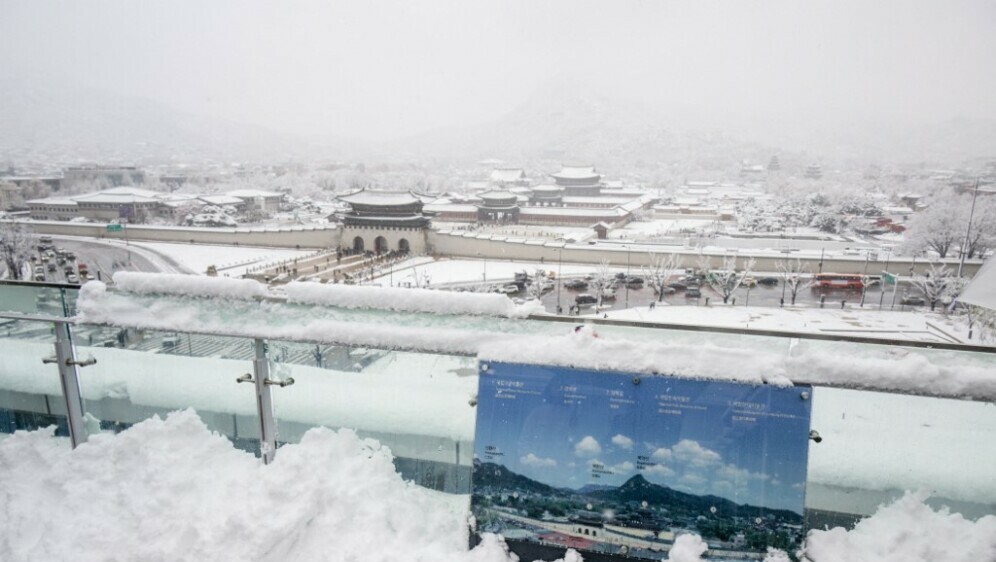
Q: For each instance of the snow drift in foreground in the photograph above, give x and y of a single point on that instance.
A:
(907, 531)
(172, 490)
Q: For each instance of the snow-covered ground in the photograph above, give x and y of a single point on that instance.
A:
(231, 261)
(172, 490)
(908, 325)
(455, 271)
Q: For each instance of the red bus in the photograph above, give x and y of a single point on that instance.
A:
(837, 281)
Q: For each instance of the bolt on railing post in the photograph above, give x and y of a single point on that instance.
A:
(65, 356)
(264, 404)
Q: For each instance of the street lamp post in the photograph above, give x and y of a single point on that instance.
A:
(626, 281)
(560, 277)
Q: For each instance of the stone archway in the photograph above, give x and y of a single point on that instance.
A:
(380, 245)
(358, 244)
(403, 246)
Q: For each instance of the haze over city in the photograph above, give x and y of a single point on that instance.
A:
(468, 281)
(822, 76)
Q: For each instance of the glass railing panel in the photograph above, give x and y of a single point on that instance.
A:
(142, 373)
(418, 404)
(30, 391)
(33, 298)
(875, 446)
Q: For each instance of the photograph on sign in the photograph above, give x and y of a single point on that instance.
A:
(621, 465)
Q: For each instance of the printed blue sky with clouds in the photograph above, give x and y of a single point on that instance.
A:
(559, 426)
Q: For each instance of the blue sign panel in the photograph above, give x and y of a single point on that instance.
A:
(622, 465)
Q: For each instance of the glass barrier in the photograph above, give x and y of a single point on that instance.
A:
(417, 404)
(31, 298)
(30, 391)
(874, 446)
(142, 373)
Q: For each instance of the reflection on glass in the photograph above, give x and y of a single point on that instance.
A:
(30, 392)
(418, 404)
(141, 373)
(875, 445)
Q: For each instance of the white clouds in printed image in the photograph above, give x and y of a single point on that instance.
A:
(662, 454)
(587, 447)
(622, 441)
(688, 451)
(658, 471)
(537, 462)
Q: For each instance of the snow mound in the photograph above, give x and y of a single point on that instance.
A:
(687, 548)
(908, 530)
(188, 285)
(172, 490)
(408, 300)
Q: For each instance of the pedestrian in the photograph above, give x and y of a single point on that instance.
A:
(653, 304)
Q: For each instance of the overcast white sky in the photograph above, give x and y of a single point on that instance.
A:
(383, 69)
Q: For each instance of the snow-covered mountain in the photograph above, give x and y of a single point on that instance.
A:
(569, 123)
(65, 123)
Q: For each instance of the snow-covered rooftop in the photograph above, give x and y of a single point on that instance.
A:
(372, 197)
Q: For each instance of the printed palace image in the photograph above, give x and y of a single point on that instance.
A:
(614, 464)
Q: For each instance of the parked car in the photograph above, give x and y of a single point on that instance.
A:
(576, 284)
(912, 300)
(585, 299)
(677, 286)
(693, 292)
(669, 290)
(749, 281)
(769, 281)
(72, 278)
(510, 289)
(39, 276)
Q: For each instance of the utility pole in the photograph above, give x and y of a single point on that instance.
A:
(968, 233)
(881, 297)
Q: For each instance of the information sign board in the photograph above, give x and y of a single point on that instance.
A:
(620, 466)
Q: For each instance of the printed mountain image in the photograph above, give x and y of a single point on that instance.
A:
(589, 460)
(638, 519)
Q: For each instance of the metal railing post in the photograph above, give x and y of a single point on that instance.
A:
(264, 404)
(65, 357)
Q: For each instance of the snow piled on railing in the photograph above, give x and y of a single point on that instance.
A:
(173, 490)
(344, 296)
(409, 300)
(873, 367)
(186, 285)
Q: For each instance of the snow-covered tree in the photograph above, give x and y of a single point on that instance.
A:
(939, 227)
(727, 279)
(937, 284)
(602, 280)
(660, 269)
(792, 272)
(17, 242)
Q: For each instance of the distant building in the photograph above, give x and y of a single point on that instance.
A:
(814, 172)
(581, 180)
(547, 196)
(130, 203)
(258, 201)
(498, 206)
(113, 176)
(507, 177)
(750, 171)
(774, 164)
(383, 221)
